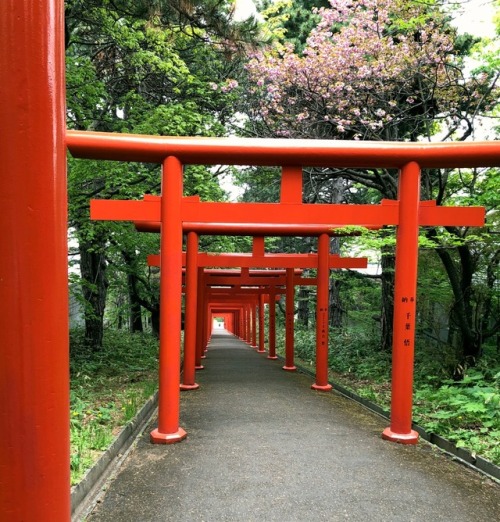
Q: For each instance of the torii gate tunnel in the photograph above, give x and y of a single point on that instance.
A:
(34, 375)
(254, 287)
(175, 212)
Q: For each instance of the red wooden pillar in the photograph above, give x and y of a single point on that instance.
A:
(34, 375)
(168, 430)
(241, 314)
(253, 311)
(243, 335)
(289, 321)
(405, 307)
(188, 375)
(199, 319)
(240, 324)
(248, 337)
(262, 348)
(323, 277)
(208, 323)
(272, 325)
(206, 319)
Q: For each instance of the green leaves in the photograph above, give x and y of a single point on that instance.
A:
(466, 412)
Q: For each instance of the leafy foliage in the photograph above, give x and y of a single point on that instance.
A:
(142, 67)
(466, 412)
(107, 389)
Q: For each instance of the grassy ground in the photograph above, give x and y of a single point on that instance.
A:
(107, 390)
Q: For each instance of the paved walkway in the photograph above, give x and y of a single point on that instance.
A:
(263, 446)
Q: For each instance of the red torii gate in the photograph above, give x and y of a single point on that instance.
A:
(268, 278)
(408, 213)
(34, 397)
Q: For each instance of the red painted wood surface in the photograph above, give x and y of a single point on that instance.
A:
(34, 365)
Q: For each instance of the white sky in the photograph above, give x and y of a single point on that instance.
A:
(244, 9)
(477, 18)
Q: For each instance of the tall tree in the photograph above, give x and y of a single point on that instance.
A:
(146, 67)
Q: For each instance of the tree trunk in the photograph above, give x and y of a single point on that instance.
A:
(135, 306)
(336, 310)
(387, 302)
(155, 321)
(303, 306)
(336, 314)
(94, 290)
(461, 318)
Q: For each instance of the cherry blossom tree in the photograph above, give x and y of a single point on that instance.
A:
(370, 70)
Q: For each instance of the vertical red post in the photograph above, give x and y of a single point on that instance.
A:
(208, 323)
(34, 365)
(289, 321)
(168, 430)
(405, 307)
(323, 277)
(253, 310)
(199, 318)
(188, 374)
(272, 325)
(240, 324)
(241, 315)
(258, 246)
(206, 319)
(291, 184)
(262, 348)
(248, 336)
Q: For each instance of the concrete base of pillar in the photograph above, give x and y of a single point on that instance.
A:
(185, 387)
(402, 438)
(167, 438)
(325, 388)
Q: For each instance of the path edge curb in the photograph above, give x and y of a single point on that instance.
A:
(465, 457)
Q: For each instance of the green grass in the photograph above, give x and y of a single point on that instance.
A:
(107, 390)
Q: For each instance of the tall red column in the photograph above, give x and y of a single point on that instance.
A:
(241, 315)
(188, 374)
(34, 365)
(323, 277)
(289, 322)
(208, 321)
(248, 330)
(272, 326)
(253, 310)
(199, 319)
(262, 348)
(168, 430)
(405, 307)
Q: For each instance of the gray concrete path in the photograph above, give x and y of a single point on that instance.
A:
(263, 446)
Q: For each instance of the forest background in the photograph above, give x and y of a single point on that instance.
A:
(368, 70)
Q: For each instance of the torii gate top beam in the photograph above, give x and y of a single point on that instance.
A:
(252, 229)
(257, 151)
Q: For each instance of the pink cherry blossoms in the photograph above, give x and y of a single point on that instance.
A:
(368, 69)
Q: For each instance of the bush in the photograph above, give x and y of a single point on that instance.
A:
(107, 389)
